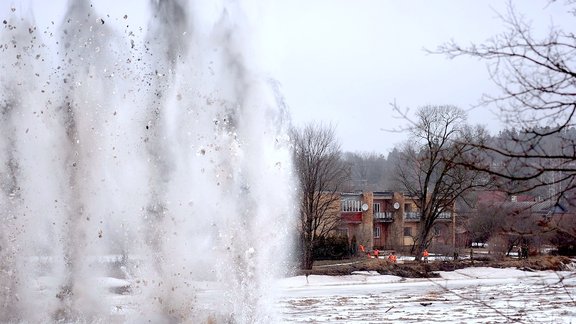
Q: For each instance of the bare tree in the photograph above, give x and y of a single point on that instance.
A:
(537, 79)
(506, 225)
(321, 174)
(430, 168)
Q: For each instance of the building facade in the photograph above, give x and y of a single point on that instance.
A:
(389, 220)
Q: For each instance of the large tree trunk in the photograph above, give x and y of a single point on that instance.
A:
(422, 242)
(420, 247)
(308, 257)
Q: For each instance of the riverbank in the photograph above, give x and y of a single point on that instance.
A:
(413, 269)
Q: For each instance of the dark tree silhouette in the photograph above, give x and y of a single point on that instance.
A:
(321, 175)
(537, 79)
(367, 171)
(431, 165)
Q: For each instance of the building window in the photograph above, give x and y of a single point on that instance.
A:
(376, 207)
(350, 205)
(377, 232)
(407, 231)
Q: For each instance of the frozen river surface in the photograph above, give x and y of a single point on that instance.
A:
(474, 295)
(471, 295)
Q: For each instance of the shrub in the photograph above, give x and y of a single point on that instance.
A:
(565, 244)
(332, 248)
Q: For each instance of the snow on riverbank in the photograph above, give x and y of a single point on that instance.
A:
(471, 295)
(358, 277)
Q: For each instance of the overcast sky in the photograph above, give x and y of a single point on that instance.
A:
(346, 61)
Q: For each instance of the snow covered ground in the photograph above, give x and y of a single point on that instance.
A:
(472, 295)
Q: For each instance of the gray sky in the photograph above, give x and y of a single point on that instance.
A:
(345, 61)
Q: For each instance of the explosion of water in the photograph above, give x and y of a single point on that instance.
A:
(145, 173)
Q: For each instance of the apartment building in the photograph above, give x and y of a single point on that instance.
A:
(389, 220)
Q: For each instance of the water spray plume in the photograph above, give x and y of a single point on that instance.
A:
(145, 173)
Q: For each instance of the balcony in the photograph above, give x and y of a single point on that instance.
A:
(413, 216)
(445, 215)
(384, 216)
(349, 205)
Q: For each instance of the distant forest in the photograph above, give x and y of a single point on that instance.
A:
(377, 172)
